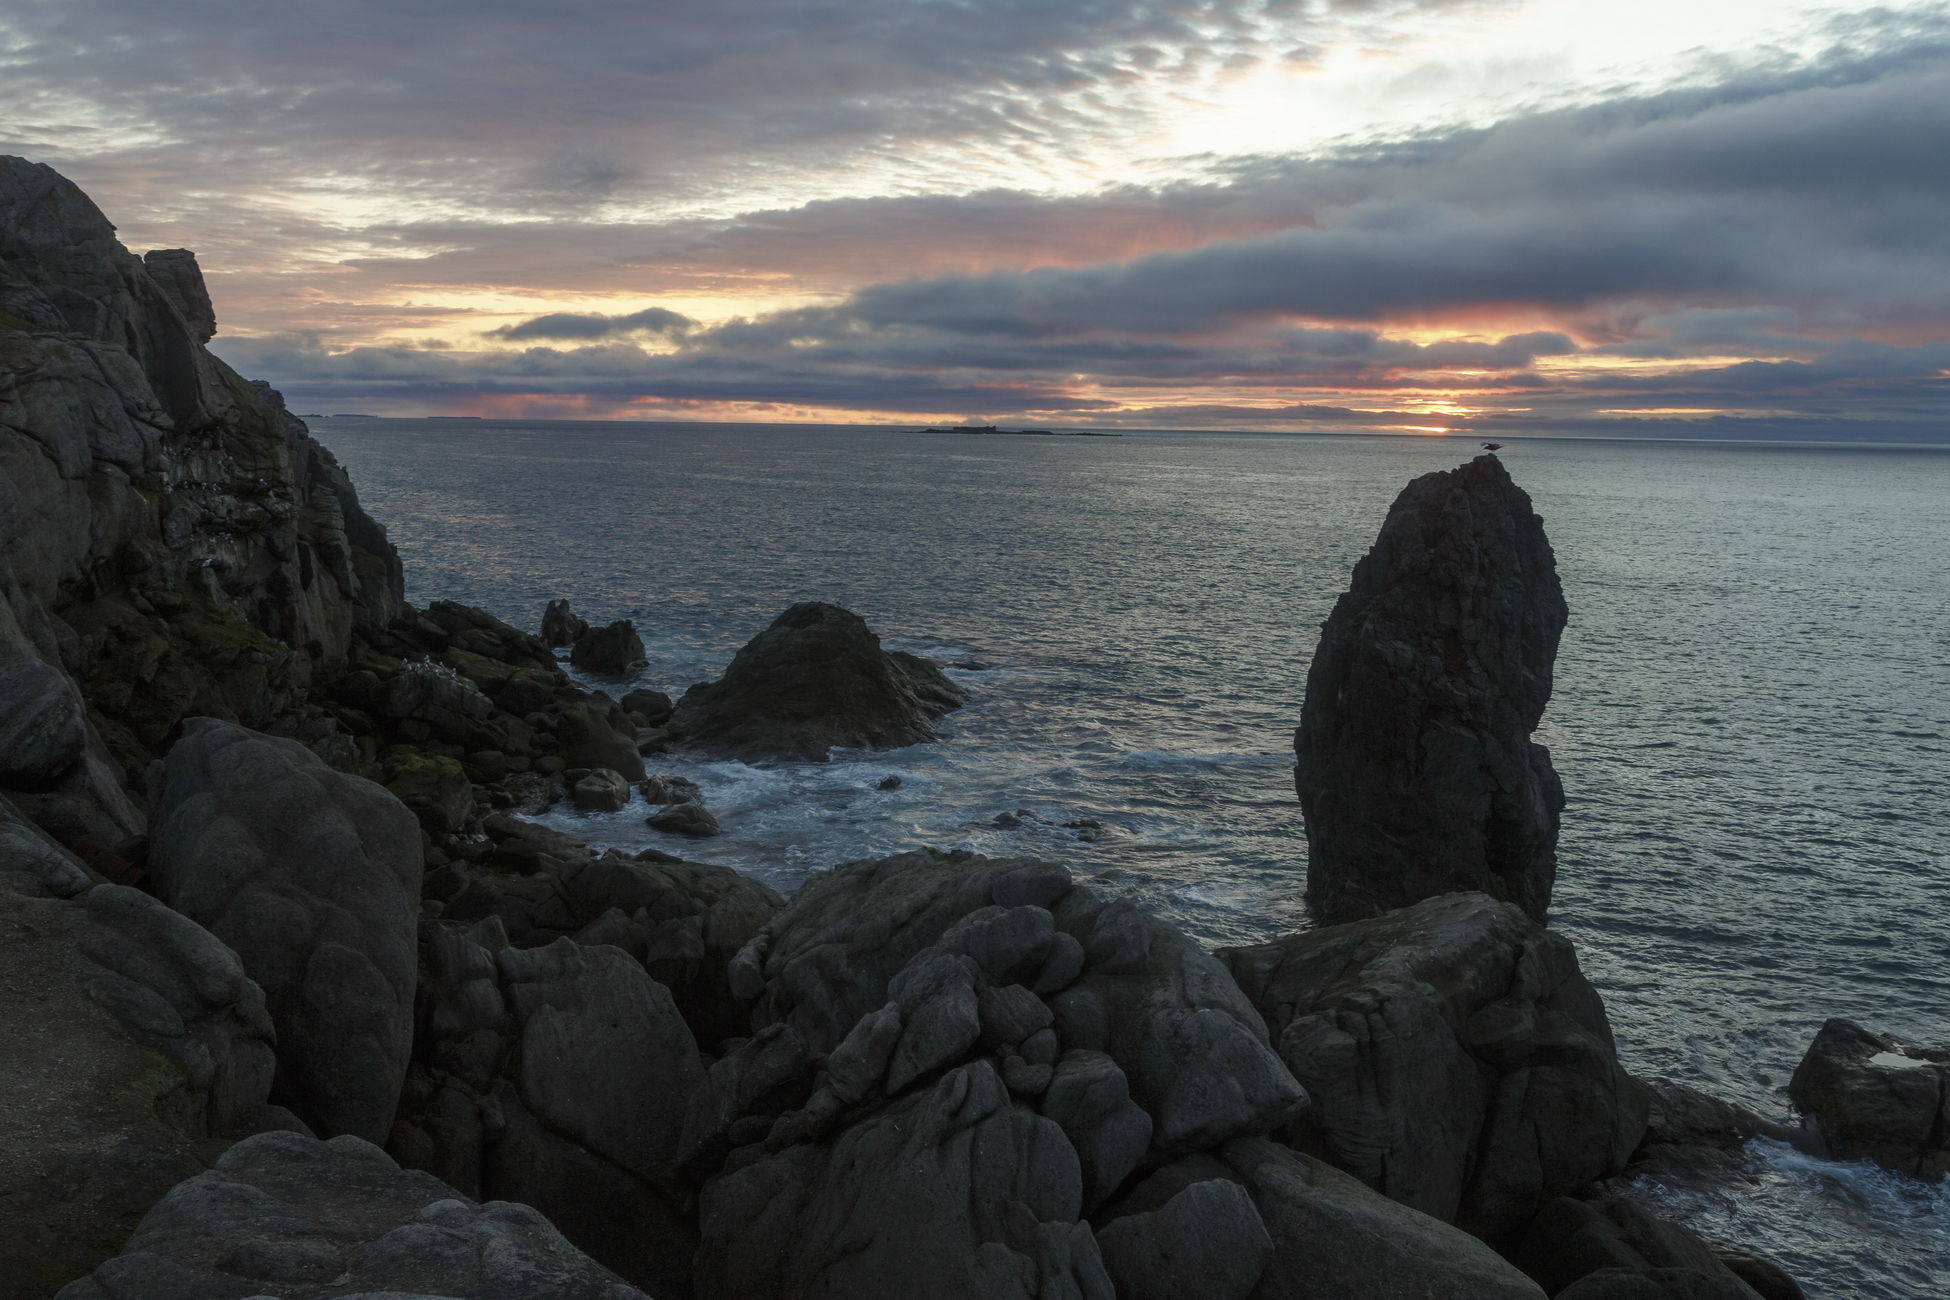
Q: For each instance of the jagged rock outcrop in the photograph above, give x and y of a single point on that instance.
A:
(558, 1077)
(1416, 771)
(1876, 1097)
(613, 650)
(131, 1036)
(293, 1216)
(561, 626)
(313, 878)
(1457, 1059)
(172, 542)
(816, 679)
(957, 1061)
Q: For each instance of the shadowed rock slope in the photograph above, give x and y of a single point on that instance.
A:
(1415, 768)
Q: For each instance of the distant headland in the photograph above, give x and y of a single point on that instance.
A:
(1025, 433)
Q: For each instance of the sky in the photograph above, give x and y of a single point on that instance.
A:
(1720, 218)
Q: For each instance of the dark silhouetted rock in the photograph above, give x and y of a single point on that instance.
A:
(175, 269)
(614, 650)
(1416, 769)
(666, 788)
(1878, 1098)
(814, 680)
(43, 728)
(293, 1216)
(313, 877)
(1457, 1059)
(600, 790)
(651, 708)
(561, 626)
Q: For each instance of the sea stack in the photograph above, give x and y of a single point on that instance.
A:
(1416, 772)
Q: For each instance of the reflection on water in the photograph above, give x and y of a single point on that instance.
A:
(1752, 715)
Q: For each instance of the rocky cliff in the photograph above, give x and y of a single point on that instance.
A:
(1416, 771)
(172, 541)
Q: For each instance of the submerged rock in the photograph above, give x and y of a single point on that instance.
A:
(1876, 1097)
(1416, 771)
(814, 680)
(291, 1215)
(1457, 1059)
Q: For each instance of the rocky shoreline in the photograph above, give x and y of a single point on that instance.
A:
(300, 1003)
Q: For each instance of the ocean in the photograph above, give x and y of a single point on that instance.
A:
(1751, 716)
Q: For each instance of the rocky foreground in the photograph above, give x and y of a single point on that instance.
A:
(296, 1003)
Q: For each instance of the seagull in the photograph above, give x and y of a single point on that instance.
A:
(1492, 446)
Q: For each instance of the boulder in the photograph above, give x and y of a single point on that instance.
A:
(814, 680)
(589, 737)
(560, 625)
(686, 817)
(313, 877)
(614, 650)
(600, 790)
(1457, 1059)
(556, 1076)
(1416, 771)
(650, 708)
(132, 1036)
(663, 787)
(43, 727)
(287, 1214)
(1602, 1246)
(1878, 1098)
(31, 863)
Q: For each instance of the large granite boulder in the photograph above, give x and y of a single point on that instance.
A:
(958, 1060)
(814, 680)
(1457, 1059)
(1416, 771)
(132, 1036)
(1876, 1097)
(313, 877)
(1600, 1246)
(291, 1216)
(559, 1077)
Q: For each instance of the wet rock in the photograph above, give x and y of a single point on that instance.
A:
(600, 790)
(1457, 1059)
(313, 878)
(814, 680)
(665, 788)
(302, 1218)
(560, 625)
(888, 783)
(589, 737)
(688, 817)
(1876, 1097)
(1416, 771)
(615, 649)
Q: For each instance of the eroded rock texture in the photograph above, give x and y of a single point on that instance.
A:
(1416, 771)
(816, 679)
(1457, 1059)
(313, 878)
(291, 1216)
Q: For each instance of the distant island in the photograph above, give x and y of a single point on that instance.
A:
(1039, 433)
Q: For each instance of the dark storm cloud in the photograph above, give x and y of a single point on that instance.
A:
(594, 325)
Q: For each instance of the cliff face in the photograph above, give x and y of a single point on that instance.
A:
(1416, 771)
(172, 541)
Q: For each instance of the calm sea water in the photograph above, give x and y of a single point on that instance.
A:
(1752, 714)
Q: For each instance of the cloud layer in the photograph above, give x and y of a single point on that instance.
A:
(772, 210)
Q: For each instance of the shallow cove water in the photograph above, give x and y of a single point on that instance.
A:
(1752, 710)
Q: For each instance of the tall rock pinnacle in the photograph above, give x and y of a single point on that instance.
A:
(1416, 771)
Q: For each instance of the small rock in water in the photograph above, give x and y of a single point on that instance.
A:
(665, 788)
(560, 625)
(615, 649)
(688, 818)
(889, 783)
(601, 790)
